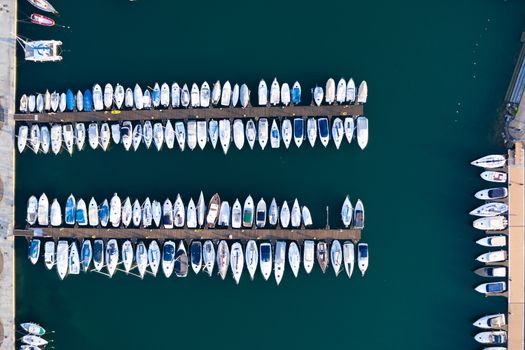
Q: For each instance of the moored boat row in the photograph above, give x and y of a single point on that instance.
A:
(33, 337)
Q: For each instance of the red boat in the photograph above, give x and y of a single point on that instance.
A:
(42, 20)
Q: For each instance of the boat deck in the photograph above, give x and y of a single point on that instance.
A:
(194, 113)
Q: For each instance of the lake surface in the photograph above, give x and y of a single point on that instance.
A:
(437, 73)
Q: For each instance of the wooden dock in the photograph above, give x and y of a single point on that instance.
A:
(187, 234)
(194, 113)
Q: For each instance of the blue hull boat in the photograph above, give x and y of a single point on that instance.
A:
(69, 216)
(70, 100)
(88, 101)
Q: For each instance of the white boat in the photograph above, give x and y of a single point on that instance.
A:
(202, 133)
(70, 210)
(495, 321)
(115, 210)
(56, 138)
(294, 258)
(273, 213)
(280, 261)
(86, 255)
(362, 92)
(80, 135)
(127, 212)
(33, 340)
(298, 131)
(31, 103)
(165, 95)
(191, 215)
(158, 135)
(490, 209)
(285, 94)
(491, 337)
(196, 256)
(181, 261)
(225, 134)
(128, 98)
(491, 223)
(492, 257)
(260, 214)
(47, 101)
(108, 96)
(286, 132)
(185, 98)
(323, 257)
(324, 133)
(349, 128)
(34, 138)
(23, 104)
(362, 132)
(213, 211)
(67, 134)
(311, 131)
(262, 132)
(494, 176)
(251, 257)
(226, 94)
(347, 212)
(350, 91)
(275, 93)
(136, 213)
(201, 210)
(308, 255)
(223, 258)
(236, 261)
(307, 217)
(119, 96)
(244, 96)
(93, 135)
(251, 133)
(93, 212)
(213, 132)
(146, 99)
(318, 95)
(168, 258)
(154, 257)
(238, 133)
(43, 210)
(295, 218)
(62, 258)
(236, 214)
(127, 255)
(284, 216)
(262, 92)
(195, 97)
(175, 95)
(98, 254)
(147, 214)
(105, 136)
(492, 271)
(337, 132)
(169, 135)
(147, 133)
(248, 212)
(32, 210)
(275, 135)
(235, 96)
(330, 91)
(55, 214)
(34, 251)
(359, 215)
(491, 161)
(340, 95)
(98, 103)
(205, 95)
(103, 215)
(126, 132)
(208, 257)
(224, 215)
(45, 139)
(49, 254)
(180, 134)
(55, 100)
(216, 93)
(74, 260)
(492, 193)
(265, 260)
(192, 134)
(362, 257)
(167, 214)
(33, 328)
(336, 256)
(138, 97)
(141, 258)
(81, 215)
(179, 213)
(348, 257)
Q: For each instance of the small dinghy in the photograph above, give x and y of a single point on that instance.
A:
(103, 214)
(147, 134)
(34, 340)
(158, 135)
(362, 92)
(136, 136)
(208, 257)
(491, 223)
(175, 95)
(93, 135)
(128, 98)
(179, 213)
(80, 135)
(298, 131)
(108, 96)
(70, 211)
(74, 260)
(147, 215)
(490, 271)
(265, 260)
(260, 214)
(81, 214)
(348, 257)
(494, 176)
(56, 214)
(236, 214)
(180, 133)
(236, 261)
(127, 255)
(494, 321)
(136, 213)
(492, 193)
(45, 139)
(285, 94)
(224, 215)
(226, 94)
(337, 132)
(238, 133)
(324, 134)
(155, 96)
(336, 256)
(225, 134)
(213, 211)
(235, 96)
(280, 261)
(286, 132)
(244, 96)
(62, 258)
(68, 134)
(32, 210)
(205, 95)
(273, 213)
(251, 258)
(492, 337)
(490, 209)
(284, 216)
(223, 258)
(43, 210)
(192, 134)
(56, 138)
(213, 131)
(294, 258)
(98, 100)
(34, 251)
(138, 97)
(118, 96)
(491, 161)
(196, 256)
(154, 257)
(168, 258)
(318, 95)
(307, 217)
(191, 215)
(98, 254)
(492, 257)
(493, 241)
(201, 210)
(362, 257)
(86, 255)
(322, 255)
(308, 255)
(195, 96)
(202, 133)
(347, 212)
(247, 213)
(275, 135)
(141, 257)
(262, 132)
(275, 93)
(49, 254)
(216, 93)
(330, 91)
(295, 218)
(169, 135)
(167, 214)
(127, 212)
(34, 138)
(340, 95)
(115, 211)
(55, 100)
(262, 93)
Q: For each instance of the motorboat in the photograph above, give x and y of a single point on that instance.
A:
(308, 255)
(155, 95)
(201, 210)
(323, 257)
(147, 100)
(23, 104)
(74, 260)
(98, 103)
(43, 5)
(236, 214)
(337, 132)
(33, 328)
(347, 212)
(164, 95)
(236, 261)
(311, 131)
(260, 214)
(362, 257)
(154, 257)
(70, 211)
(208, 257)
(115, 211)
(34, 340)
(262, 132)
(180, 134)
(494, 176)
(286, 132)
(185, 98)
(247, 213)
(158, 135)
(103, 214)
(56, 138)
(167, 214)
(491, 337)
(493, 256)
(136, 138)
(350, 91)
(98, 254)
(284, 216)
(191, 214)
(224, 215)
(49, 254)
(45, 139)
(495, 321)
(141, 258)
(34, 138)
(362, 92)
(235, 96)
(362, 131)
(196, 256)
(226, 94)
(285, 94)
(136, 213)
(298, 131)
(223, 258)
(67, 134)
(127, 255)
(492, 193)
(251, 133)
(47, 101)
(216, 93)
(168, 258)
(31, 103)
(296, 93)
(490, 209)
(493, 241)
(491, 223)
(491, 161)
(192, 134)
(349, 128)
(213, 132)
(62, 258)
(238, 133)
(175, 95)
(93, 135)
(202, 133)
(225, 134)
(318, 95)
(330, 91)
(307, 216)
(280, 261)
(127, 212)
(244, 96)
(275, 135)
(105, 136)
(323, 127)
(348, 257)
(492, 271)
(128, 98)
(275, 93)
(80, 135)
(147, 213)
(169, 135)
(251, 257)
(86, 255)
(55, 100)
(195, 97)
(63, 103)
(126, 132)
(205, 95)
(34, 250)
(273, 213)
(359, 215)
(295, 217)
(146, 134)
(108, 96)
(213, 211)
(340, 96)
(262, 92)
(294, 258)
(39, 103)
(336, 256)
(265, 259)
(119, 96)
(179, 212)
(55, 214)
(93, 218)
(43, 210)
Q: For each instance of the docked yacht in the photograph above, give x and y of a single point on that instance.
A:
(136, 216)
(340, 96)
(167, 214)
(80, 135)
(55, 214)
(308, 255)
(147, 133)
(79, 97)
(284, 216)
(260, 214)
(56, 138)
(350, 91)
(492, 193)
(362, 131)
(213, 132)
(74, 260)
(86, 255)
(105, 136)
(154, 257)
(120, 96)
(265, 259)
(244, 96)
(337, 132)
(93, 135)
(49, 254)
(216, 93)
(248, 213)
(236, 261)
(362, 92)
(137, 136)
(492, 271)
(127, 255)
(336, 256)
(347, 212)
(93, 213)
(34, 341)
(185, 98)
(294, 258)
(223, 258)
(147, 213)
(224, 215)
(43, 210)
(33, 328)
(70, 211)
(235, 96)
(495, 321)
(168, 258)
(205, 95)
(55, 99)
(104, 213)
(330, 91)
(296, 93)
(225, 134)
(180, 134)
(491, 161)
(34, 250)
(280, 260)
(208, 257)
(62, 258)
(251, 133)
(115, 211)
(158, 135)
(494, 176)
(191, 215)
(195, 96)
(492, 257)
(298, 131)
(491, 223)
(490, 209)
(169, 135)
(348, 257)
(307, 216)
(286, 132)
(311, 131)
(275, 136)
(213, 211)
(359, 215)
(238, 133)
(323, 257)
(128, 98)
(273, 213)
(491, 337)
(362, 257)
(285, 94)
(196, 256)
(108, 96)
(98, 254)
(179, 213)
(98, 103)
(126, 134)
(493, 241)
(262, 132)
(192, 134)
(251, 257)
(45, 139)
(34, 138)
(323, 127)
(262, 92)
(295, 217)
(127, 212)
(226, 94)
(318, 95)
(175, 95)
(201, 210)
(236, 214)
(202, 133)
(141, 258)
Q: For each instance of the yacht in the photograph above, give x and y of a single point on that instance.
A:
(126, 134)
(216, 93)
(179, 213)
(43, 210)
(103, 215)
(168, 258)
(93, 135)
(491, 223)
(208, 257)
(260, 214)
(169, 135)
(195, 97)
(119, 96)
(202, 133)
(262, 132)
(251, 133)
(128, 98)
(147, 134)
(244, 96)
(323, 257)
(348, 257)
(192, 134)
(347, 212)
(311, 131)
(298, 131)
(70, 212)
(236, 214)
(224, 215)
(491, 337)
(247, 213)
(275, 136)
(493, 241)
(359, 215)
(79, 101)
(273, 213)
(490, 209)
(295, 217)
(492, 271)
(80, 135)
(307, 217)
(141, 257)
(236, 261)
(56, 138)
(493, 256)
(350, 91)
(136, 213)
(108, 96)
(265, 259)
(93, 213)
(280, 260)
(112, 255)
(286, 132)
(55, 214)
(336, 256)
(284, 216)
(49, 254)
(340, 95)
(226, 94)
(154, 257)
(34, 250)
(330, 91)
(213, 132)
(147, 213)
(68, 135)
(294, 258)
(98, 254)
(180, 133)
(362, 131)
(98, 103)
(337, 132)
(262, 93)
(127, 255)
(285, 94)
(185, 98)
(213, 211)
(34, 341)
(86, 255)
(205, 95)
(318, 95)
(491, 161)
(362, 92)
(191, 215)
(238, 133)
(105, 136)
(308, 255)
(495, 321)
(127, 212)
(115, 211)
(251, 257)
(45, 139)
(223, 258)
(137, 136)
(167, 214)
(225, 134)
(235, 96)
(175, 95)
(201, 210)
(62, 258)
(323, 127)
(494, 176)
(34, 138)
(22, 138)
(196, 256)
(362, 257)
(158, 135)
(492, 193)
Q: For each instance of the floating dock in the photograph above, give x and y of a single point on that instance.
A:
(298, 235)
(194, 113)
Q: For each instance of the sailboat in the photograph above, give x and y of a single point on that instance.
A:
(213, 211)
(244, 96)
(93, 213)
(164, 95)
(43, 5)
(155, 95)
(179, 213)
(296, 93)
(158, 135)
(201, 210)
(93, 135)
(192, 134)
(285, 215)
(350, 91)
(191, 215)
(285, 94)
(141, 257)
(273, 213)
(348, 257)
(251, 257)
(80, 135)
(108, 96)
(180, 134)
(311, 131)
(308, 255)
(86, 255)
(168, 258)
(202, 134)
(225, 134)
(115, 211)
(280, 260)
(98, 103)
(251, 133)
(262, 132)
(43, 210)
(208, 257)
(55, 214)
(195, 96)
(175, 95)
(136, 213)
(226, 94)
(340, 95)
(330, 91)
(74, 260)
(127, 255)
(167, 214)
(33, 328)
(262, 92)
(307, 216)
(286, 132)
(126, 134)
(337, 132)
(223, 258)
(56, 138)
(318, 95)
(294, 258)
(336, 256)
(49, 254)
(45, 139)
(238, 133)
(362, 92)
(275, 135)
(347, 212)
(154, 257)
(103, 214)
(105, 136)
(295, 217)
(169, 135)
(119, 96)
(275, 93)
(128, 98)
(235, 96)
(62, 258)
(236, 261)
(224, 215)
(236, 214)
(216, 93)
(127, 212)
(205, 95)
(34, 138)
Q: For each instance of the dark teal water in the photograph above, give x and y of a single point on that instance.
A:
(437, 73)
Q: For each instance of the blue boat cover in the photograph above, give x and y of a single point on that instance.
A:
(298, 127)
(323, 127)
(70, 100)
(296, 95)
(88, 101)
